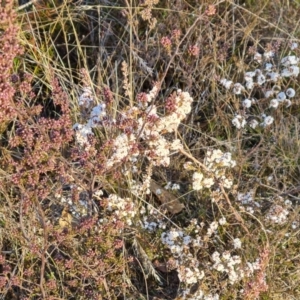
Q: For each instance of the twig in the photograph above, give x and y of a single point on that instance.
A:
(45, 245)
(237, 215)
(26, 5)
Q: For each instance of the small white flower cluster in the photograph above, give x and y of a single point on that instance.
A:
(237, 243)
(225, 262)
(199, 182)
(216, 158)
(267, 120)
(228, 264)
(239, 121)
(153, 220)
(268, 75)
(277, 214)
(295, 225)
(140, 188)
(290, 68)
(190, 275)
(226, 83)
(83, 131)
(248, 202)
(281, 97)
(176, 240)
(252, 267)
(222, 221)
(266, 56)
(123, 209)
(247, 103)
(213, 226)
(152, 94)
(188, 266)
(158, 147)
(216, 162)
(172, 186)
(122, 147)
(86, 99)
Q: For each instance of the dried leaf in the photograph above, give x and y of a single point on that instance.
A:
(169, 201)
(66, 219)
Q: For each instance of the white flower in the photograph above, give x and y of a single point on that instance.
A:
(158, 192)
(268, 120)
(245, 198)
(237, 88)
(289, 60)
(290, 92)
(294, 46)
(281, 96)
(295, 225)
(288, 202)
(291, 71)
(269, 93)
(187, 240)
(226, 83)
(274, 103)
(261, 79)
(86, 98)
(277, 214)
(253, 124)
(213, 226)
(269, 54)
(239, 121)
(82, 132)
(258, 72)
(216, 257)
(152, 94)
(268, 66)
(222, 221)
(176, 145)
(208, 182)
(188, 166)
(175, 186)
(226, 255)
(237, 243)
(272, 76)
(249, 85)
(247, 103)
(258, 57)
(219, 267)
(197, 181)
(223, 159)
(249, 76)
(97, 113)
(227, 183)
